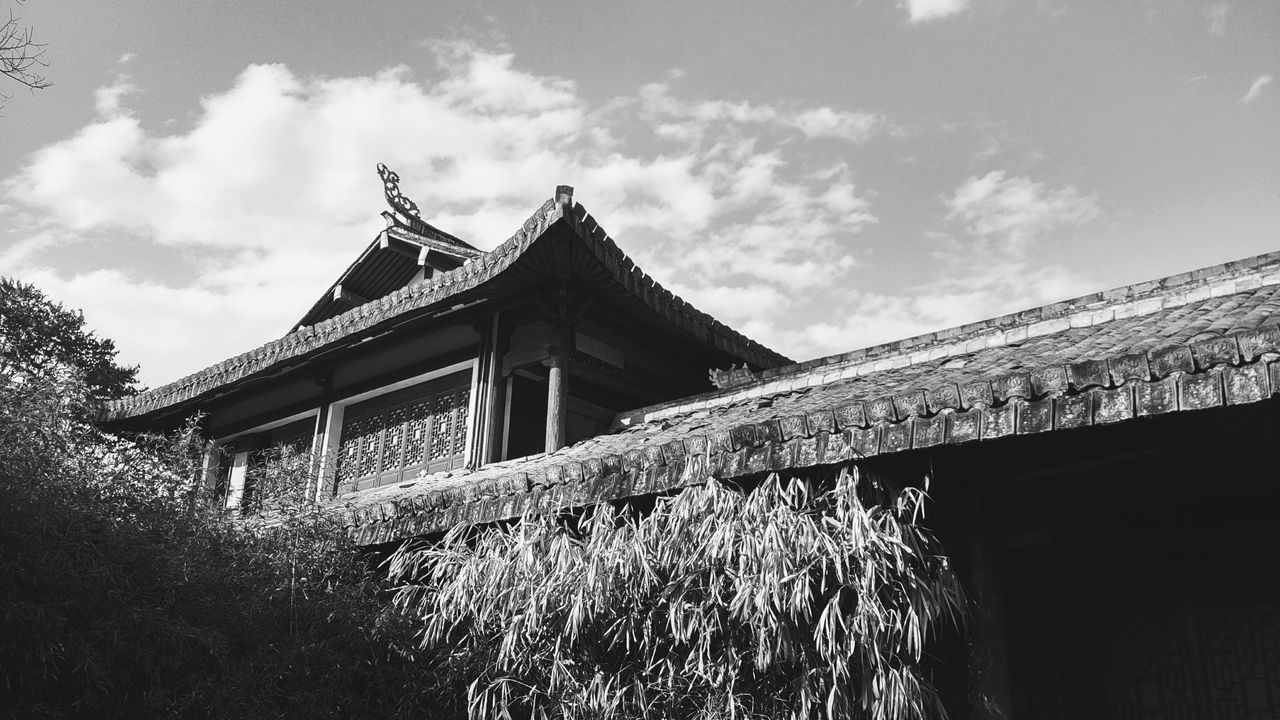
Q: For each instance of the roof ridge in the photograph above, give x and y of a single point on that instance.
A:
(1132, 300)
(180, 387)
(473, 272)
(676, 309)
(1239, 367)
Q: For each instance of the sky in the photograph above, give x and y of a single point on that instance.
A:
(821, 176)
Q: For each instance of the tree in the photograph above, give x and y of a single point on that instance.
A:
(38, 337)
(783, 602)
(123, 594)
(21, 57)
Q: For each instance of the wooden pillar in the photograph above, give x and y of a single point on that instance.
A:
(557, 397)
(315, 479)
(495, 401)
(989, 687)
(479, 419)
(212, 462)
(319, 437)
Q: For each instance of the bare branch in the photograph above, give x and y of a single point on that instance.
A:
(21, 57)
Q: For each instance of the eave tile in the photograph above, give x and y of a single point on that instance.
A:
(1246, 384)
(1167, 360)
(1036, 417)
(1112, 405)
(998, 422)
(964, 426)
(1200, 391)
(1215, 351)
(1073, 411)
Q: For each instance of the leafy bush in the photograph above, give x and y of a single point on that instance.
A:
(781, 602)
(124, 593)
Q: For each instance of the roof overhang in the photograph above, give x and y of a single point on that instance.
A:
(501, 273)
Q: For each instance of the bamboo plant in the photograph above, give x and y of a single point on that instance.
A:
(792, 599)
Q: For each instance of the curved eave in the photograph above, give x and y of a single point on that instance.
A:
(840, 422)
(443, 294)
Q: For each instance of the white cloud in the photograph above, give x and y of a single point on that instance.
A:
(107, 100)
(825, 122)
(689, 120)
(1017, 209)
(998, 261)
(926, 10)
(1256, 88)
(272, 187)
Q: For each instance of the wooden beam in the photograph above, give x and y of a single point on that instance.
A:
(437, 260)
(399, 247)
(346, 296)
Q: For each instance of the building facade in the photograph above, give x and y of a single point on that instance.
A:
(1104, 469)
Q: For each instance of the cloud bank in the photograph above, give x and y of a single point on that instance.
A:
(190, 245)
(270, 192)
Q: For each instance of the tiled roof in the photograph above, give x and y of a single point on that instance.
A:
(292, 349)
(1198, 340)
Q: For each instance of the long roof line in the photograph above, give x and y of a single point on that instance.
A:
(1212, 340)
(1138, 299)
(279, 354)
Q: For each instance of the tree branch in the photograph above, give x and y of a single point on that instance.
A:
(21, 57)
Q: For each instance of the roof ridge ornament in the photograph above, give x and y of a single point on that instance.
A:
(397, 199)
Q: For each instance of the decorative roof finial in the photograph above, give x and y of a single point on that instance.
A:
(397, 201)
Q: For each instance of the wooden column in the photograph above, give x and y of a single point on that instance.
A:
(989, 689)
(209, 471)
(557, 397)
(319, 448)
(496, 397)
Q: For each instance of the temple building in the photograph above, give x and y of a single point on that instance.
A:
(1104, 469)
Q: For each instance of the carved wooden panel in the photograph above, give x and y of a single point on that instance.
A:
(391, 438)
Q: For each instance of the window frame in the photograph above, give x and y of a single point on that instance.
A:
(331, 442)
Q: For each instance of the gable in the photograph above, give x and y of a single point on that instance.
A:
(408, 251)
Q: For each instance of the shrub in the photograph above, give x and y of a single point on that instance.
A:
(785, 601)
(124, 593)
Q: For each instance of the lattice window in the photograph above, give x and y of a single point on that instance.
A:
(415, 445)
(370, 443)
(393, 441)
(441, 420)
(349, 451)
(395, 437)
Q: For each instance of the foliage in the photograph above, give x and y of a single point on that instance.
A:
(39, 338)
(281, 477)
(782, 602)
(124, 594)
